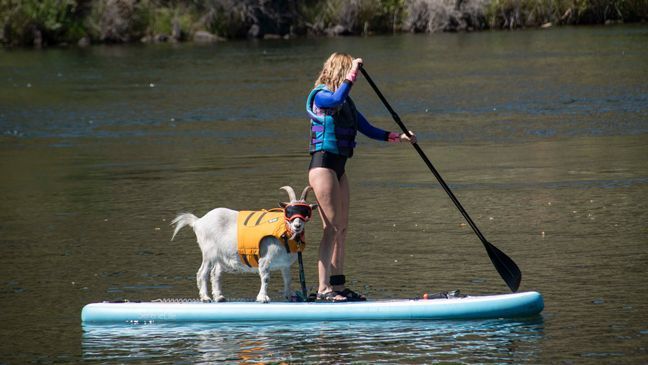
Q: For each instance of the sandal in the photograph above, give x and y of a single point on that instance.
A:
(330, 297)
(352, 296)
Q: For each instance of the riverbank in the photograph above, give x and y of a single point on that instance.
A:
(83, 22)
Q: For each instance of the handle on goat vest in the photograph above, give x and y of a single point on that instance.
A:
(505, 266)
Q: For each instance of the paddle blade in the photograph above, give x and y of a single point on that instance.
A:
(508, 270)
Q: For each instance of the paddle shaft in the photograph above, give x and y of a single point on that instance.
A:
(501, 261)
(424, 157)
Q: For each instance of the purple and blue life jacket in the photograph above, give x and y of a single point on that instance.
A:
(332, 129)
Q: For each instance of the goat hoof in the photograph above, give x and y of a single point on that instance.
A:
(263, 299)
(206, 300)
(221, 299)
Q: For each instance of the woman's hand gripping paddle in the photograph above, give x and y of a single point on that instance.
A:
(507, 269)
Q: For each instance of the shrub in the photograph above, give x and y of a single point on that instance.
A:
(352, 17)
(41, 22)
(521, 13)
(38, 22)
(444, 15)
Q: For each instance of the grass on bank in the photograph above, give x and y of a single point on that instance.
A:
(46, 22)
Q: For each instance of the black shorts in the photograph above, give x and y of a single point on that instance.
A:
(329, 160)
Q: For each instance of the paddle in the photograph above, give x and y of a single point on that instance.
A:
(507, 269)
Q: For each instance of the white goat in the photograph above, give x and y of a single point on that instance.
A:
(217, 236)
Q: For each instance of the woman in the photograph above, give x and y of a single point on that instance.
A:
(334, 124)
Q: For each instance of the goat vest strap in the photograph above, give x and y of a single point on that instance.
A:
(253, 226)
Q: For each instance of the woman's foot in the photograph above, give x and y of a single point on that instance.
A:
(351, 296)
(331, 297)
(338, 281)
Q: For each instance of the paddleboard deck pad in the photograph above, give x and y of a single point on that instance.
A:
(470, 307)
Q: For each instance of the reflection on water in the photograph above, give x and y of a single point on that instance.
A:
(492, 341)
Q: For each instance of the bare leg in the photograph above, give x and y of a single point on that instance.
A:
(337, 262)
(328, 193)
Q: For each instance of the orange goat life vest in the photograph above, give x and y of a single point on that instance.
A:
(253, 226)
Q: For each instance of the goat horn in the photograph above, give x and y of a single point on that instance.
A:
(290, 191)
(305, 192)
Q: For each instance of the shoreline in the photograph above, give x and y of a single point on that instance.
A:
(32, 23)
(166, 40)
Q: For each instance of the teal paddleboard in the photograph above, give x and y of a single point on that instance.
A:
(470, 307)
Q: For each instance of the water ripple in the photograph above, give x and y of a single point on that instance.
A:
(338, 342)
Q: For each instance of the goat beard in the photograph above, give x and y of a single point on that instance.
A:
(293, 236)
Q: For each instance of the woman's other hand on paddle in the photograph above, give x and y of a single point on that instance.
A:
(411, 139)
(396, 137)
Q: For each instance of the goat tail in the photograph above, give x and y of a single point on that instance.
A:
(184, 219)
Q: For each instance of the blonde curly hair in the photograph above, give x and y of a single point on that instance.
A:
(335, 70)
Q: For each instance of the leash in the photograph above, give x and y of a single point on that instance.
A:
(302, 276)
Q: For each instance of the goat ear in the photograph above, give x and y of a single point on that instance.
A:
(282, 204)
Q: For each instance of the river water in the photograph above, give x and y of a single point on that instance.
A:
(542, 135)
